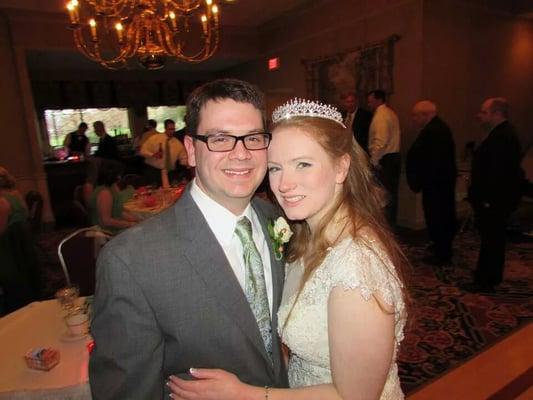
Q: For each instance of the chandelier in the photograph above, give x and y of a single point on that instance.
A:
(112, 31)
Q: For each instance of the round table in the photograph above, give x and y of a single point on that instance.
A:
(162, 199)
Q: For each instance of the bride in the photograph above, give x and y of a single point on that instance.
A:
(342, 314)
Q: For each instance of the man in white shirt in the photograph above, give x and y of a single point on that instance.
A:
(162, 151)
(384, 149)
(174, 292)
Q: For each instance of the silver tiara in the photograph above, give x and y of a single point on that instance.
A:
(306, 108)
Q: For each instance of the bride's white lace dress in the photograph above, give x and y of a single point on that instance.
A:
(359, 264)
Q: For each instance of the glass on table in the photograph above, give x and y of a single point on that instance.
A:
(67, 297)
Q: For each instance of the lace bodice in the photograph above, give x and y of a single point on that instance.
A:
(359, 264)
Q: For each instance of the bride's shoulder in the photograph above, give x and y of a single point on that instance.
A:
(362, 262)
(362, 245)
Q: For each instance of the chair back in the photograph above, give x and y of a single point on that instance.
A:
(78, 253)
(34, 202)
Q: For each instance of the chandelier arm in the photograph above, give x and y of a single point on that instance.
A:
(207, 50)
(94, 54)
(112, 8)
(177, 6)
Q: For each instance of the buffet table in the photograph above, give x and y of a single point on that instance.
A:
(40, 324)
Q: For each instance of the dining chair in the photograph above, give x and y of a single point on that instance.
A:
(78, 253)
(34, 202)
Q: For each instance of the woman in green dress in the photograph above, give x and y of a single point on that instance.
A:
(107, 201)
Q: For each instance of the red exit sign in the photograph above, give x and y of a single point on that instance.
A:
(273, 63)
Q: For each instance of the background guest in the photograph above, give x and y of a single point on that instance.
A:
(384, 149)
(107, 147)
(107, 203)
(149, 131)
(77, 143)
(163, 151)
(431, 169)
(495, 190)
(357, 119)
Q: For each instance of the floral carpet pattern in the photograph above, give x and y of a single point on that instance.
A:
(447, 325)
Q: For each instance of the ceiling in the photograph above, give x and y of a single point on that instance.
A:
(236, 15)
(251, 13)
(241, 17)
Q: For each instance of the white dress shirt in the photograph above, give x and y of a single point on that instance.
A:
(152, 145)
(223, 222)
(384, 134)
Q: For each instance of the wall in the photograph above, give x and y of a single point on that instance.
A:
(330, 27)
(452, 52)
(19, 146)
(471, 53)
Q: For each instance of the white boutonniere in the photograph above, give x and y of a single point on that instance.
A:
(280, 233)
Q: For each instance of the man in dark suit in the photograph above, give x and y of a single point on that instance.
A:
(495, 190)
(431, 169)
(107, 146)
(177, 291)
(77, 142)
(356, 118)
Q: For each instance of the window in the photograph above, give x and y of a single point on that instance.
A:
(59, 123)
(176, 113)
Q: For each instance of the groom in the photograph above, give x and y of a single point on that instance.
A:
(198, 285)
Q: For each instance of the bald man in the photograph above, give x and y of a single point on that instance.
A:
(495, 190)
(431, 169)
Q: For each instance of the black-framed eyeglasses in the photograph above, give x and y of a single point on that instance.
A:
(223, 142)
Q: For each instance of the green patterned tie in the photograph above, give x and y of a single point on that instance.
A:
(255, 287)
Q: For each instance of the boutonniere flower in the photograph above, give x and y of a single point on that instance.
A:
(280, 233)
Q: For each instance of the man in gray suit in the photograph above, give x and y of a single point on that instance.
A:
(178, 291)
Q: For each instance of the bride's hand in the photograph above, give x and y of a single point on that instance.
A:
(209, 384)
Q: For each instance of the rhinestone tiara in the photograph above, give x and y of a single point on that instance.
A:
(306, 108)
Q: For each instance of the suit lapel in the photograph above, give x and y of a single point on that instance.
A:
(209, 260)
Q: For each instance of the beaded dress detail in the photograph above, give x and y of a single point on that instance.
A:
(359, 264)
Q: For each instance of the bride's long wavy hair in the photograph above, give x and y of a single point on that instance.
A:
(358, 206)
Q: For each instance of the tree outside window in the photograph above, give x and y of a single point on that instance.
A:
(160, 113)
(59, 123)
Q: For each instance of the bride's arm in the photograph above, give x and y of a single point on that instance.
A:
(361, 343)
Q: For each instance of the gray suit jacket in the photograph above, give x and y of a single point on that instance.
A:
(167, 300)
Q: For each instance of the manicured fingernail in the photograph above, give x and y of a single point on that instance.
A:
(192, 370)
(171, 395)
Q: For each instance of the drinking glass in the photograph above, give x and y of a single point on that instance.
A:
(67, 297)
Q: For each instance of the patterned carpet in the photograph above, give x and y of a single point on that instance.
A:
(447, 326)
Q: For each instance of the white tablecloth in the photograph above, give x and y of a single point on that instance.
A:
(40, 324)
